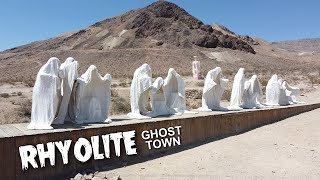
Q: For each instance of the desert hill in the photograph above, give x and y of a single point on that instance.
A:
(159, 24)
(161, 34)
(303, 45)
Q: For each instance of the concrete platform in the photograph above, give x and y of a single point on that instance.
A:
(195, 128)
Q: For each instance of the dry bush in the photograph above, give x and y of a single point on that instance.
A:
(19, 93)
(226, 95)
(200, 83)
(228, 72)
(4, 95)
(29, 82)
(123, 83)
(119, 106)
(25, 108)
(264, 81)
(193, 94)
(114, 93)
(193, 103)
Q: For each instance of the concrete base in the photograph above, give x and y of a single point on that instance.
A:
(194, 129)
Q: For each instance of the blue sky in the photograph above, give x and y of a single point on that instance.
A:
(22, 22)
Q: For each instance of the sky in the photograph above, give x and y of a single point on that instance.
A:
(25, 21)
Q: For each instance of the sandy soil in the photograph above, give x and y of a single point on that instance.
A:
(289, 149)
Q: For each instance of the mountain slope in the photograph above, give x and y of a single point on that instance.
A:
(303, 45)
(161, 24)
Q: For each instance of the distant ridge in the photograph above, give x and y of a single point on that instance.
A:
(302, 45)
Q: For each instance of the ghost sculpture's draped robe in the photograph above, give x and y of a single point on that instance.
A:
(214, 87)
(288, 94)
(283, 98)
(93, 97)
(46, 95)
(292, 93)
(237, 90)
(70, 68)
(252, 93)
(158, 100)
(174, 92)
(140, 92)
(273, 91)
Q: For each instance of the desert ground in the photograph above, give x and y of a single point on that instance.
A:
(289, 149)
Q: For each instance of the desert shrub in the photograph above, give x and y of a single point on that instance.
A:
(4, 95)
(25, 108)
(19, 93)
(120, 106)
(200, 83)
(228, 72)
(123, 83)
(193, 103)
(193, 94)
(114, 93)
(264, 81)
(226, 95)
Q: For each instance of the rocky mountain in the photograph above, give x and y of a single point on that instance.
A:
(162, 35)
(303, 45)
(161, 24)
(227, 32)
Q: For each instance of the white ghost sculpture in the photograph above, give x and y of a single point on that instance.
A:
(158, 100)
(140, 92)
(283, 99)
(70, 68)
(252, 93)
(273, 91)
(196, 68)
(288, 94)
(174, 91)
(93, 97)
(46, 95)
(292, 93)
(237, 90)
(214, 87)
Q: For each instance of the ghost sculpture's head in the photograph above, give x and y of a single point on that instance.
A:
(216, 75)
(91, 74)
(51, 67)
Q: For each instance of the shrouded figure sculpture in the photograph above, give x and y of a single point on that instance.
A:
(288, 94)
(273, 91)
(174, 91)
(237, 90)
(70, 69)
(292, 93)
(158, 100)
(283, 99)
(92, 97)
(46, 95)
(252, 93)
(214, 87)
(140, 92)
(196, 68)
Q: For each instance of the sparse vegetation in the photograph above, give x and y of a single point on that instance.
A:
(200, 83)
(4, 95)
(193, 103)
(119, 105)
(25, 108)
(226, 95)
(123, 83)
